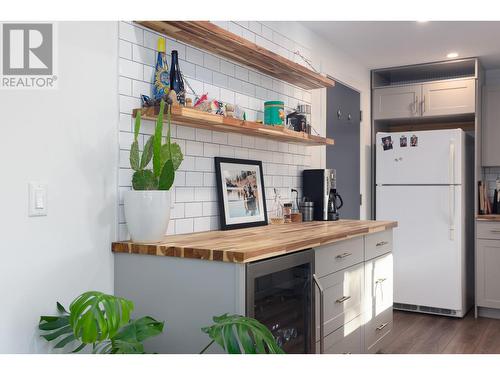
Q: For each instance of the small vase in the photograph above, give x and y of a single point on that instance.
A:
(147, 213)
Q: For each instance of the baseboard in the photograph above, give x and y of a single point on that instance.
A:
(487, 312)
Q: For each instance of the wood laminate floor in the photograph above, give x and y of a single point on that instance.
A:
(415, 333)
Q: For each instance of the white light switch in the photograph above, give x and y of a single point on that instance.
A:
(37, 199)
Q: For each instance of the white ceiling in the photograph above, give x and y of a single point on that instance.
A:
(378, 44)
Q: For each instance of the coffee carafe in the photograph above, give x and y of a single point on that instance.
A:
(335, 201)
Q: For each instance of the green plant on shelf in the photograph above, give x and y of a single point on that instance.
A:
(103, 322)
(166, 157)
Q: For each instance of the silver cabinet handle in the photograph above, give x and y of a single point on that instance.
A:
(346, 353)
(343, 255)
(423, 104)
(415, 105)
(343, 299)
(381, 327)
(495, 231)
(321, 315)
(380, 280)
(382, 243)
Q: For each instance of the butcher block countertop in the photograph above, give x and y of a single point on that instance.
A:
(488, 217)
(251, 244)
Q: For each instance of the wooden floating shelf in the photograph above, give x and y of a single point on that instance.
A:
(203, 120)
(215, 39)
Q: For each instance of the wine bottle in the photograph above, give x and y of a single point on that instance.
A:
(176, 82)
(161, 81)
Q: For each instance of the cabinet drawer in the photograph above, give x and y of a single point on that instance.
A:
(344, 340)
(377, 328)
(342, 298)
(488, 230)
(337, 256)
(377, 244)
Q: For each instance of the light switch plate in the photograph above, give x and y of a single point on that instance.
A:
(37, 199)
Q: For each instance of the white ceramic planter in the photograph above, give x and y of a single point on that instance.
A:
(147, 213)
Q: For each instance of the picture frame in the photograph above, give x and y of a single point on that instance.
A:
(241, 193)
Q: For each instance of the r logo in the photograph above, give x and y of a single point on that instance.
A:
(27, 49)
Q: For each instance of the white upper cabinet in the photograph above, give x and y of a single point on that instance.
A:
(490, 126)
(442, 98)
(396, 102)
(449, 98)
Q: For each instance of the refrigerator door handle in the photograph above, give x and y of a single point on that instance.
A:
(452, 190)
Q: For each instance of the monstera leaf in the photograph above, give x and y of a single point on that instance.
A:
(95, 316)
(241, 335)
(101, 320)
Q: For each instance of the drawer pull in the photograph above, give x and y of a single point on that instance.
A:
(343, 299)
(382, 243)
(381, 327)
(343, 255)
(495, 230)
(379, 281)
(346, 353)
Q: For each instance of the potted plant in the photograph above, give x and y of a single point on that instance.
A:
(103, 321)
(147, 205)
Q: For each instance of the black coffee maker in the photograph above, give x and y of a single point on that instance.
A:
(320, 187)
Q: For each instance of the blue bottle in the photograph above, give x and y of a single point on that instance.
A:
(161, 80)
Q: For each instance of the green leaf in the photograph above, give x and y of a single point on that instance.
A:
(157, 166)
(167, 176)
(239, 334)
(82, 345)
(61, 344)
(131, 336)
(49, 323)
(137, 125)
(57, 333)
(134, 156)
(95, 316)
(177, 156)
(147, 153)
(144, 180)
(61, 308)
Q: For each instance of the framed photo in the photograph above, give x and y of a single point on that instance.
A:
(240, 188)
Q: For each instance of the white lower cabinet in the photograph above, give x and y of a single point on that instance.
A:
(357, 299)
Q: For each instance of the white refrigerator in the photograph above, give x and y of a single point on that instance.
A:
(424, 182)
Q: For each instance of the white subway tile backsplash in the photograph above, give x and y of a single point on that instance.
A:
(193, 209)
(194, 55)
(143, 55)
(125, 49)
(194, 148)
(219, 137)
(183, 226)
(130, 69)
(210, 208)
(204, 164)
(211, 62)
(203, 194)
(203, 135)
(209, 179)
(210, 150)
(125, 86)
(194, 178)
(131, 33)
(184, 194)
(194, 190)
(203, 74)
(185, 132)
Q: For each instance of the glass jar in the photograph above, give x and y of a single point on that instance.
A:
(287, 212)
(277, 210)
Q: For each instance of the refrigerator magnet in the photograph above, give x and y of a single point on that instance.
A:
(413, 141)
(387, 143)
(403, 141)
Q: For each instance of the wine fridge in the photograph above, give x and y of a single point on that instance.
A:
(280, 296)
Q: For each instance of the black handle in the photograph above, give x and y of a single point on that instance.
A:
(341, 201)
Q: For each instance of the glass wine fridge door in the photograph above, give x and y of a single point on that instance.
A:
(279, 295)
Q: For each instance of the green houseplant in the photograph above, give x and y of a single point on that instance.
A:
(147, 206)
(103, 321)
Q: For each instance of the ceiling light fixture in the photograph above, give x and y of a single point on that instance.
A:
(422, 21)
(452, 55)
